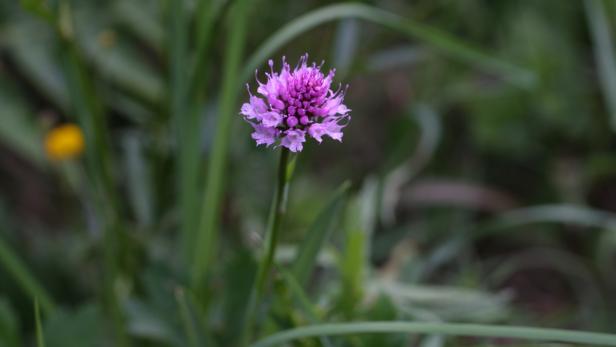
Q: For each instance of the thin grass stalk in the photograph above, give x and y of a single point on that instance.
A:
(40, 339)
(24, 278)
(207, 238)
(450, 329)
(187, 321)
(207, 13)
(184, 122)
(90, 115)
(605, 58)
(286, 166)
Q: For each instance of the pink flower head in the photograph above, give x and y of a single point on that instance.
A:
(295, 103)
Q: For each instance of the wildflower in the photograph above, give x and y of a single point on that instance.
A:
(294, 104)
(64, 142)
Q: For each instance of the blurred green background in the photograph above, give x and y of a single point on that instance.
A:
(480, 158)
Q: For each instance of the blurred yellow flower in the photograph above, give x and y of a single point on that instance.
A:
(64, 142)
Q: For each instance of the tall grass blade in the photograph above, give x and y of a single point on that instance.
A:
(205, 241)
(90, 114)
(23, 277)
(557, 213)
(450, 329)
(18, 130)
(317, 235)
(40, 338)
(186, 131)
(296, 288)
(186, 318)
(603, 45)
(408, 27)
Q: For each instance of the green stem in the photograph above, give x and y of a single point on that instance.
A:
(40, 339)
(205, 241)
(90, 115)
(451, 329)
(277, 212)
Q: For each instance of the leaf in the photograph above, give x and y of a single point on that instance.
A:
(451, 329)
(9, 325)
(204, 243)
(354, 260)
(408, 27)
(603, 45)
(317, 235)
(139, 180)
(23, 277)
(40, 337)
(141, 18)
(448, 303)
(30, 44)
(556, 213)
(18, 130)
(113, 57)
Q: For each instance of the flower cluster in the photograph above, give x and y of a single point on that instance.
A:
(296, 103)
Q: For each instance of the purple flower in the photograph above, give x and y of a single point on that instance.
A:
(295, 103)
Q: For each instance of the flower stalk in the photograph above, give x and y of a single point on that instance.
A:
(286, 167)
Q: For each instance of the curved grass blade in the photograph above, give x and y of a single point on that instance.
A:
(557, 213)
(14, 266)
(450, 329)
(603, 46)
(408, 27)
(317, 234)
(430, 136)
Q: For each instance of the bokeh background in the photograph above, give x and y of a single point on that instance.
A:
(480, 166)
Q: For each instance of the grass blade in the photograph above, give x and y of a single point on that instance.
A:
(40, 339)
(450, 329)
(317, 234)
(206, 239)
(557, 213)
(186, 318)
(603, 45)
(437, 39)
(14, 266)
(184, 122)
(296, 288)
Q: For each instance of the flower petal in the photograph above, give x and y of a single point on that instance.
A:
(264, 135)
(293, 140)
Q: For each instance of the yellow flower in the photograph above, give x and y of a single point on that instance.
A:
(64, 142)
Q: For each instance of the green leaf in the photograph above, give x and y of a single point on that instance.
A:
(22, 276)
(300, 295)
(38, 8)
(31, 46)
(138, 177)
(556, 213)
(205, 242)
(408, 27)
(9, 325)
(113, 57)
(18, 130)
(451, 329)
(40, 337)
(603, 45)
(141, 18)
(317, 235)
